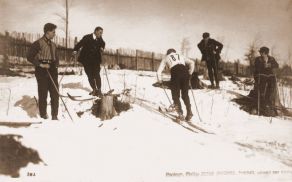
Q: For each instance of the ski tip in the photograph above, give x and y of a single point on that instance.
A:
(70, 96)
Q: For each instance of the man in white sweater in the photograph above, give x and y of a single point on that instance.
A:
(181, 70)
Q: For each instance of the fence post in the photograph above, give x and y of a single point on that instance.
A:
(75, 42)
(6, 47)
(153, 68)
(136, 59)
(118, 57)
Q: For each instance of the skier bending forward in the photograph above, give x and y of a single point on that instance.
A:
(180, 76)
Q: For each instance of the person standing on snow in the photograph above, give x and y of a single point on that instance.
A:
(211, 50)
(265, 79)
(90, 56)
(180, 78)
(43, 55)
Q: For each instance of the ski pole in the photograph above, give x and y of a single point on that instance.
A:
(65, 70)
(164, 89)
(107, 77)
(105, 71)
(259, 94)
(193, 95)
(56, 88)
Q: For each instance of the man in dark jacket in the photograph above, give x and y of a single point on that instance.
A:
(90, 56)
(265, 79)
(43, 54)
(211, 50)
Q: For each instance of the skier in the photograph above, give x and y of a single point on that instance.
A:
(180, 77)
(211, 50)
(265, 79)
(90, 56)
(43, 55)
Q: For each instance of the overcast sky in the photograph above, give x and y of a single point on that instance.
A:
(156, 25)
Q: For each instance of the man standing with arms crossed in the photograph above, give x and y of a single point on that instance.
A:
(211, 50)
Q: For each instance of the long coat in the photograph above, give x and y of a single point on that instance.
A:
(260, 65)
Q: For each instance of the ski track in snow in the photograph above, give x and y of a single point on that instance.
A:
(140, 145)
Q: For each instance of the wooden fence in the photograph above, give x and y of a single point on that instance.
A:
(16, 45)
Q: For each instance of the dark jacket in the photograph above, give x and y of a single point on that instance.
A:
(209, 49)
(260, 66)
(90, 52)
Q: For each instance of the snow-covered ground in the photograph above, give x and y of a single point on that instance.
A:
(140, 145)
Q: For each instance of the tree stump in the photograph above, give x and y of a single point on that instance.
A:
(107, 109)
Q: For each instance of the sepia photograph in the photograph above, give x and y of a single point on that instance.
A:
(146, 91)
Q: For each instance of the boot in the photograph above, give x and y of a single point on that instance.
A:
(45, 116)
(217, 85)
(99, 93)
(180, 116)
(96, 92)
(189, 114)
(212, 86)
(55, 118)
(92, 92)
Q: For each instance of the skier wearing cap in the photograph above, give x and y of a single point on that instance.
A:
(180, 76)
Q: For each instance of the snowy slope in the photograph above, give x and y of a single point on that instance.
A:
(140, 145)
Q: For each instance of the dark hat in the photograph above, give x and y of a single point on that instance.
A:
(264, 50)
(206, 35)
(171, 50)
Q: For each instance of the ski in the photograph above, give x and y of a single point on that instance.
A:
(80, 99)
(176, 120)
(199, 128)
(187, 122)
(74, 98)
(156, 110)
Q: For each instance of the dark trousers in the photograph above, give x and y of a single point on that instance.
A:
(212, 65)
(45, 85)
(180, 83)
(93, 74)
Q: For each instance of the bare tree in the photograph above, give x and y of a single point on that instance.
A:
(252, 52)
(65, 18)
